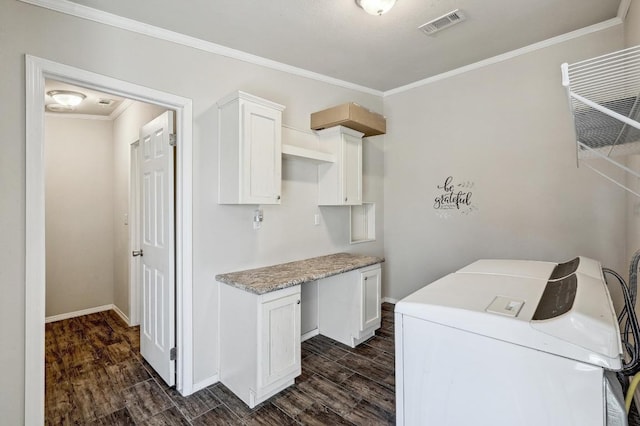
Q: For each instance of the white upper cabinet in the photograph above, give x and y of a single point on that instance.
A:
(249, 150)
(340, 183)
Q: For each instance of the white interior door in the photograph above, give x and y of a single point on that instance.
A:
(134, 234)
(157, 328)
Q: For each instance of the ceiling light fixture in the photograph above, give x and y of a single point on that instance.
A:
(376, 7)
(67, 97)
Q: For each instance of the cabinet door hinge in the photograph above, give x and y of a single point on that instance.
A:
(172, 139)
(173, 354)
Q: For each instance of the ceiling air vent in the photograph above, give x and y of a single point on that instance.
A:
(105, 102)
(444, 21)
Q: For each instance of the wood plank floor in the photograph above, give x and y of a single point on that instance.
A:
(95, 376)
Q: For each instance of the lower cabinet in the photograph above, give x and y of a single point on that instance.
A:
(349, 305)
(259, 342)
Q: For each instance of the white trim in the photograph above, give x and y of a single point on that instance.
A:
(389, 300)
(88, 311)
(37, 70)
(205, 383)
(79, 313)
(78, 116)
(34, 247)
(106, 18)
(121, 108)
(114, 114)
(623, 9)
(134, 233)
(85, 12)
(309, 334)
(121, 314)
(509, 55)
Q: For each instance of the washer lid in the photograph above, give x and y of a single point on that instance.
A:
(473, 302)
(515, 268)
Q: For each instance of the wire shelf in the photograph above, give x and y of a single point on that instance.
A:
(604, 93)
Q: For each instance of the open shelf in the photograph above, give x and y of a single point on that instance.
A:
(604, 93)
(295, 152)
(363, 223)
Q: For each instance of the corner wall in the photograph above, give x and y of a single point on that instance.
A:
(503, 132)
(632, 24)
(632, 38)
(79, 202)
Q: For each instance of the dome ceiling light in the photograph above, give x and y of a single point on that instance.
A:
(376, 7)
(67, 97)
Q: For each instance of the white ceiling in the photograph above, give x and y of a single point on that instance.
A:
(338, 39)
(89, 106)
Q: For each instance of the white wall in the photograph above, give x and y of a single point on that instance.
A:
(632, 25)
(126, 129)
(632, 38)
(223, 236)
(506, 128)
(79, 205)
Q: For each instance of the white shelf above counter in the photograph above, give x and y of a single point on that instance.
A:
(296, 152)
(299, 144)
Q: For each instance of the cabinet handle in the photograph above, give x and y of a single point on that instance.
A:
(345, 199)
(278, 197)
(298, 302)
(366, 278)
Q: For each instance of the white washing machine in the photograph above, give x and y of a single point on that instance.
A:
(510, 343)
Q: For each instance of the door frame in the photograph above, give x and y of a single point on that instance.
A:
(36, 70)
(134, 233)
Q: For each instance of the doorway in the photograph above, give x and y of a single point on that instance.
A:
(37, 70)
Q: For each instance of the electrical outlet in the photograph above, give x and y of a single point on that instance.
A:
(258, 217)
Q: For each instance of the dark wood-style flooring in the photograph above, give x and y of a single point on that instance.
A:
(95, 375)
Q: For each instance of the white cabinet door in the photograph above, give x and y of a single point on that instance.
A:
(352, 170)
(370, 292)
(262, 155)
(259, 341)
(340, 183)
(279, 352)
(249, 150)
(349, 305)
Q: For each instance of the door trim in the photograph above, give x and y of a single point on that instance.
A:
(134, 234)
(36, 70)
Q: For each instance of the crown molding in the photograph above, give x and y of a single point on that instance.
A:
(106, 18)
(509, 55)
(623, 9)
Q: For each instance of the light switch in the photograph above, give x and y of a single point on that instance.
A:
(316, 219)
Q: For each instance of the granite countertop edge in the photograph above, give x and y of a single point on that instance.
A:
(301, 279)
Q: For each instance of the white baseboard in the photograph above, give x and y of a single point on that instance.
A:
(205, 383)
(309, 334)
(80, 313)
(121, 315)
(389, 300)
(88, 311)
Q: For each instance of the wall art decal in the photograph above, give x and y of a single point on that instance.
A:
(454, 198)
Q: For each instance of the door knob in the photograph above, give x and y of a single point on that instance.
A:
(137, 253)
